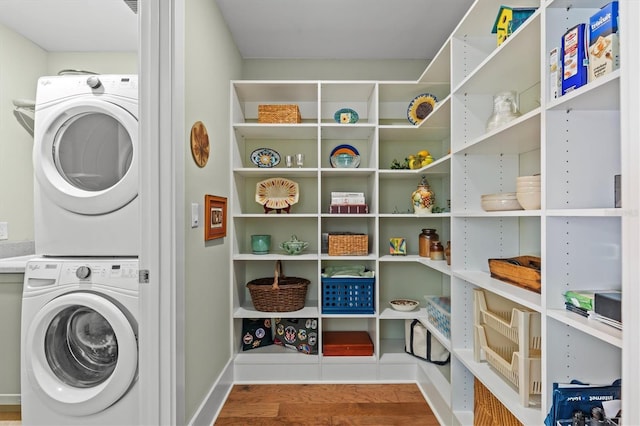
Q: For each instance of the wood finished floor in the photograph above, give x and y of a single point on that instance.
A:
(326, 404)
(10, 415)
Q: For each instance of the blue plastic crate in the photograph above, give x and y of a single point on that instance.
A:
(348, 295)
(439, 313)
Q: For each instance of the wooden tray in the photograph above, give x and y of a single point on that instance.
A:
(346, 343)
(523, 271)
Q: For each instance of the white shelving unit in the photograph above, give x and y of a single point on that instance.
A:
(577, 232)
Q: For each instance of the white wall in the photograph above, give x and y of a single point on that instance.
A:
(99, 62)
(328, 69)
(21, 63)
(211, 61)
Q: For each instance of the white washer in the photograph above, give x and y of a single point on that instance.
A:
(79, 349)
(85, 159)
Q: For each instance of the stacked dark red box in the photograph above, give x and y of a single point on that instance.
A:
(348, 209)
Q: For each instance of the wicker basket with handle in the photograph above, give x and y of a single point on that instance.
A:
(278, 293)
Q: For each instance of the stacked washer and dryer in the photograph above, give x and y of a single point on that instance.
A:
(79, 348)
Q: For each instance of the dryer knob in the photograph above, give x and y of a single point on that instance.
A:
(83, 272)
(94, 82)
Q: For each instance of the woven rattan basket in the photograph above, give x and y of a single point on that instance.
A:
(348, 244)
(278, 293)
(488, 410)
(279, 114)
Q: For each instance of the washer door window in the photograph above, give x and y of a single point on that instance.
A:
(86, 156)
(81, 347)
(82, 353)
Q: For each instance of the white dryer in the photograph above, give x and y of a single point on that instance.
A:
(79, 350)
(85, 161)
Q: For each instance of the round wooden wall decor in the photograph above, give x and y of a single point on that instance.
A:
(199, 143)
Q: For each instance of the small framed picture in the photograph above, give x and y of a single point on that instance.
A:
(215, 217)
(397, 246)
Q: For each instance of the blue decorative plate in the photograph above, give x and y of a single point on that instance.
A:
(346, 116)
(344, 149)
(265, 157)
(420, 107)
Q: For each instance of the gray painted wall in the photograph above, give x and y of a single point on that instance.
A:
(211, 61)
(18, 79)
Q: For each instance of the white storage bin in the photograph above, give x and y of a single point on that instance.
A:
(508, 337)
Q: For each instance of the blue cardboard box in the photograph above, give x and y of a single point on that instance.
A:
(575, 67)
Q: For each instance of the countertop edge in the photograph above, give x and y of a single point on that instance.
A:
(15, 265)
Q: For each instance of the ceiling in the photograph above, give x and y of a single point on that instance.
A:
(73, 25)
(277, 29)
(338, 29)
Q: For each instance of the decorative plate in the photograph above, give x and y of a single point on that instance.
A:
(344, 149)
(346, 116)
(199, 143)
(265, 157)
(277, 194)
(420, 107)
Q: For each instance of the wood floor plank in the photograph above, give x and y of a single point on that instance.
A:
(388, 420)
(250, 409)
(292, 421)
(326, 404)
(362, 409)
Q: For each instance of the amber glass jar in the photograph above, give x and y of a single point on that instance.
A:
(425, 238)
(447, 252)
(436, 251)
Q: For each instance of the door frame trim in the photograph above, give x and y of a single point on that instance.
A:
(162, 192)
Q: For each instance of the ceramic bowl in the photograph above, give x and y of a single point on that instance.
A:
(500, 196)
(404, 305)
(345, 161)
(500, 205)
(529, 200)
(523, 179)
(529, 189)
(527, 185)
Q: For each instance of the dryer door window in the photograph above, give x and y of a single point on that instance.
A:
(92, 151)
(86, 156)
(81, 347)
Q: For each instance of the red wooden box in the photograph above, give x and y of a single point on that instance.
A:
(346, 343)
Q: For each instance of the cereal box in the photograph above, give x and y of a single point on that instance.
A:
(604, 55)
(554, 73)
(574, 58)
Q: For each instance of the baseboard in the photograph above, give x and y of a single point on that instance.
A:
(9, 399)
(212, 404)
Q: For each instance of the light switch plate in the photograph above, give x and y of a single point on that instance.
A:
(4, 230)
(195, 216)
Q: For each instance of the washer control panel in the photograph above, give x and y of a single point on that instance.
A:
(122, 272)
